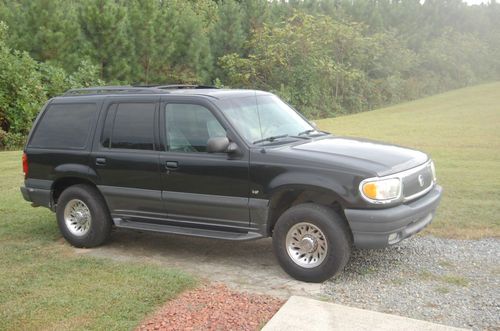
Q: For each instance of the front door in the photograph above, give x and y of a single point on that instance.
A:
(200, 189)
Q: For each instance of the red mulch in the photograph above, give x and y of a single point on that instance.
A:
(214, 307)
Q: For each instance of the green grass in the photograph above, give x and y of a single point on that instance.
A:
(44, 284)
(461, 131)
(456, 280)
(442, 290)
(449, 279)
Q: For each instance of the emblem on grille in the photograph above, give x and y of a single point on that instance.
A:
(421, 180)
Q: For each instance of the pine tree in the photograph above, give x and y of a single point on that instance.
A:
(104, 25)
(50, 31)
(228, 34)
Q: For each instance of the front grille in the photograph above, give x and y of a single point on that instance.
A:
(413, 186)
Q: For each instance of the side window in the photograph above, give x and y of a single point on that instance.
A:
(108, 126)
(129, 126)
(189, 127)
(65, 126)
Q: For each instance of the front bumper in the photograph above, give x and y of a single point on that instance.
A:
(377, 228)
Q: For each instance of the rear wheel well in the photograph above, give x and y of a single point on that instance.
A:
(63, 183)
(286, 199)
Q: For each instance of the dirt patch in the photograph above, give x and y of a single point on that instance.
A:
(214, 307)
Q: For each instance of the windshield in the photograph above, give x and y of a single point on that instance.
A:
(264, 118)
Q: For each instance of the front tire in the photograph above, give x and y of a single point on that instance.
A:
(83, 217)
(312, 242)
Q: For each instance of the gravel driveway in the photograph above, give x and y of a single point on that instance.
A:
(453, 282)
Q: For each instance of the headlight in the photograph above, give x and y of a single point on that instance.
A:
(433, 169)
(381, 191)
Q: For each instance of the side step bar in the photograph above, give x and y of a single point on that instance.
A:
(163, 228)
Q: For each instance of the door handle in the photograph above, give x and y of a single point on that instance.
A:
(100, 160)
(171, 165)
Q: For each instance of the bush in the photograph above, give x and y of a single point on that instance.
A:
(25, 85)
(11, 141)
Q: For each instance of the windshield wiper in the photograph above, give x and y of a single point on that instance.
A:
(270, 139)
(306, 132)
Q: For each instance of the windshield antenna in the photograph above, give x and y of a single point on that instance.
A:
(258, 114)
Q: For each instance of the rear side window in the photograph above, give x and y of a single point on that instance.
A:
(129, 126)
(65, 126)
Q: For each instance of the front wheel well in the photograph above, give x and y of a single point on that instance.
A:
(286, 199)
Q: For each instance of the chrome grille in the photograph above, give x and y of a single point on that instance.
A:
(416, 183)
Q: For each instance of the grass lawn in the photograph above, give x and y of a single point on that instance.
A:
(461, 131)
(45, 285)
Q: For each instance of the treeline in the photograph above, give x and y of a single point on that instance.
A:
(325, 57)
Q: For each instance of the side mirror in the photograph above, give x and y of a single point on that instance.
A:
(314, 125)
(220, 145)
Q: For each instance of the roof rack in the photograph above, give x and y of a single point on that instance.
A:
(177, 86)
(133, 89)
(107, 90)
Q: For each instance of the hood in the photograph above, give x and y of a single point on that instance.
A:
(379, 158)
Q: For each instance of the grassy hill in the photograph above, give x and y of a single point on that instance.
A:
(461, 131)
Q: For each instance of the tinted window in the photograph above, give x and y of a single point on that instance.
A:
(190, 126)
(108, 126)
(65, 126)
(133, 126)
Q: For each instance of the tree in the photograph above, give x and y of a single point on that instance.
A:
(143, 17)
(183, 49)
(49, 32)
(21, 91)
(104, 25)
(227, 35)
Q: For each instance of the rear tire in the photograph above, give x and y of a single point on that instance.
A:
(312, 242)
(83, 217)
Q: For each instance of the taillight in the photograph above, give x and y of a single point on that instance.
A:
(25, 165)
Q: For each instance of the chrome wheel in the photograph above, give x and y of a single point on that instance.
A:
(77, 217)
(306, 245)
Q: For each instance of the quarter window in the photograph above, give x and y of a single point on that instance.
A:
(189, 126)
(65, 126)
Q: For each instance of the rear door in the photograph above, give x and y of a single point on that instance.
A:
(126, 157)
(199, 188)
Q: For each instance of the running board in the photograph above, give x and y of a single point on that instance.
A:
(194, 232)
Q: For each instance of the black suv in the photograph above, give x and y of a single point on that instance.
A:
(226, 164)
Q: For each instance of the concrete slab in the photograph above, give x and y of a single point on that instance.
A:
(300, 313)
(243, 266)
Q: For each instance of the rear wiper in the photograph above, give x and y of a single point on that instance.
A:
(270, 139)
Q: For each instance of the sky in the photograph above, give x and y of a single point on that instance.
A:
(476, 2)
(472, 2)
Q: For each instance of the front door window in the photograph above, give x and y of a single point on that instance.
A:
(189, 127)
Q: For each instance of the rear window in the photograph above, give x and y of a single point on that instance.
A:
(129, 126)
(65, 126)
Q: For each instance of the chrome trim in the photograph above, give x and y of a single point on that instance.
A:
(400, 176)
(419, 194)
(306, 245)
(379, 179)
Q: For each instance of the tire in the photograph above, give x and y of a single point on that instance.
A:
(312, 242)
(83, 217)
